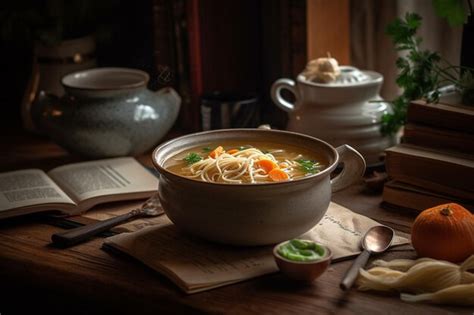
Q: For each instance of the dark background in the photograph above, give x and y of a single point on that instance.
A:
(200, 46)
(238, 46)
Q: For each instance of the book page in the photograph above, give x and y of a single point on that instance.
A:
(27, 188)
(104, 177)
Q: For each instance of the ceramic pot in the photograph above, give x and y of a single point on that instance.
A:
(339, 113)
(107, 112)
(253, 214)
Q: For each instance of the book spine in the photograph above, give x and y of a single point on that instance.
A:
(440, 118)
(415, 200)
(193, 16)
(298, 36)
(438, 139)
(438, 175)
(188, 118)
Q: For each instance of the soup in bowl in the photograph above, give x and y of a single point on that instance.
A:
(233, 162)
(250, 186)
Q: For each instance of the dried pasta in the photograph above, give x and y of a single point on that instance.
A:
(461, 294)
(425, 275)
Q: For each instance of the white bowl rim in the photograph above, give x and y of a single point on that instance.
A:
(70, 80)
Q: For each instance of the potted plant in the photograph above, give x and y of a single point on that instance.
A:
(423, 73)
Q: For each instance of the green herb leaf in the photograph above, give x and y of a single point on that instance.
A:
(242, 148)
(308, 166)
(452, 10)
(403, 31)
(420, 72)
(206, 149)
(192, 158)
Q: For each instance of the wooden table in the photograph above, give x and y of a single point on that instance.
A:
(86, 279)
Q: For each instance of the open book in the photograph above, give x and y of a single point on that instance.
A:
(74, 188)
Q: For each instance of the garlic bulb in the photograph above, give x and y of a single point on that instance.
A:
(324, 65)
(322, 70)
(423, 275)
(461, 294)
(322, 77)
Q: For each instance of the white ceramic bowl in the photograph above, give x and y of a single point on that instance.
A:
(252, 214)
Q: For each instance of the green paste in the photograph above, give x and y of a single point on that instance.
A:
(301, 250)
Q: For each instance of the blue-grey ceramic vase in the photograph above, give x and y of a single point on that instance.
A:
(107, 112)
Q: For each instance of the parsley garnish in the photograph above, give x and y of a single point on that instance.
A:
(308, 166)
(206, 149)
(422, 72)
(192, 158)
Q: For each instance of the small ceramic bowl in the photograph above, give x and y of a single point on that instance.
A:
(302, 271)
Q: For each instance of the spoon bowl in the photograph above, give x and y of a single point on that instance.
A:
(151, 207)
(376, 240)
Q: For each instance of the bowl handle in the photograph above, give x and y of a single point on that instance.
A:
(353, 169)
(275, 93)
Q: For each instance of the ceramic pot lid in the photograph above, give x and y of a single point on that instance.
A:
(350, 75)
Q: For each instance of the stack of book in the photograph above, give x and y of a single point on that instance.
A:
(434, 164)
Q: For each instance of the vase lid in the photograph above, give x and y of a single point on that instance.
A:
(348, 76)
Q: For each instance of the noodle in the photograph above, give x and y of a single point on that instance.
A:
(245, 166)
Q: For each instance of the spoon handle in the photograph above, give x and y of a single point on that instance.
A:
(80, 234)
(351, 274)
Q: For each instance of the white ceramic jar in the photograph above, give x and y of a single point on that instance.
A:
(345, 111)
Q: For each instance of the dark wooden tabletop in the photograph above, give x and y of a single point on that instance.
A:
(86, 279)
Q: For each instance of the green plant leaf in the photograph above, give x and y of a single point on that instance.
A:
(413, 22)
(192, 158)
(308, 166)
(452, 10)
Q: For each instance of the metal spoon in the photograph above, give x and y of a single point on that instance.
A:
(151, 207)
(376, 240)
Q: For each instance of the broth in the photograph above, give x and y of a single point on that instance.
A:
(245, 163)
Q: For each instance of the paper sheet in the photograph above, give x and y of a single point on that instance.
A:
(196, 265)
(341, 230)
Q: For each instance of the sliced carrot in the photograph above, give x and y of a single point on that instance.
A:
(266, 165)
(277, 175)
(216, 152)
(232, 151)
